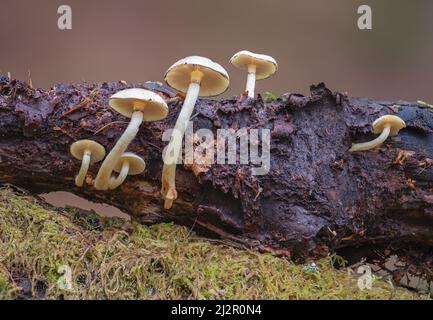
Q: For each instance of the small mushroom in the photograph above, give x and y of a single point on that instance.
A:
(89, 152)
(128, 164)
(197, 76)
(387, 126)
(139, 105)
(259, 66)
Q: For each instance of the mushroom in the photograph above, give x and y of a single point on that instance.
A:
(387, 126)
(139, 105)
(89, 152)
(128, 164)
(197, 76)
(259, 66)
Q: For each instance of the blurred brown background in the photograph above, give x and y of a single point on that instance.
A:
(312, 40)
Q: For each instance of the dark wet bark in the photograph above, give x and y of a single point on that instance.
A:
(317, 197)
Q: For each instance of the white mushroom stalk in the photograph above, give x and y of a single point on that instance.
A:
(117, 181)
(259, 66)
(139, 105)
(175, 145)
(364, 146)
(88, 152)
(85, 164)
(104, 174)
(387, 126)
(251, 80)
(197, 76)
(128, 164)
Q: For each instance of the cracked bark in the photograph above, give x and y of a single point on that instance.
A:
(317, 197)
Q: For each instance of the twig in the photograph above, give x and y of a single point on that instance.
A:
(108, 125)
(144, 143)
(193, 116)
(82, 104)
(63, 131)
(192, 227)
(425, 104)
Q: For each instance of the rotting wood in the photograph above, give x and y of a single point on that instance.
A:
(317, 197)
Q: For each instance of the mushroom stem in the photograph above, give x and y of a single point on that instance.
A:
(374, 143)
(115, 182)
(170, 196)
(85, 163)
(104, 173)
(172, 152)
(251, 80)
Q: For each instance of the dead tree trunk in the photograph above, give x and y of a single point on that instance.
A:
(317, 196)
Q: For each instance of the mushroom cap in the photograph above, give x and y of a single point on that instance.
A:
(136, 164)
(265, 65)
(154, 107)
(395, 122)
(79, 147)
(215, 78)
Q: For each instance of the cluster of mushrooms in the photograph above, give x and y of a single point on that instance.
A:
(196, 76)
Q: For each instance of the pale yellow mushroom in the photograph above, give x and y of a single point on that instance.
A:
(259, 66)
(89, 152)
(387, 126)
(129, 164)
(197, 76)
(139, 105)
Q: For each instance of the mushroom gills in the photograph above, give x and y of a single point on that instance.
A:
(259, 66)
(88, 151)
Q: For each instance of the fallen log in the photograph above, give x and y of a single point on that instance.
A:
(316, 198)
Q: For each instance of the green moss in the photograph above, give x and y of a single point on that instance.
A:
(126, 260)
(269, 96)
(6, 288)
